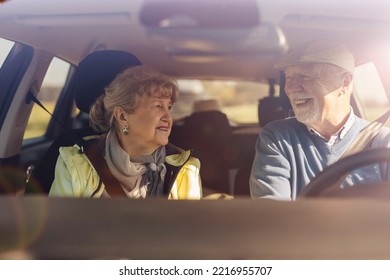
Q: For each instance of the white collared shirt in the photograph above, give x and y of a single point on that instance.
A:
(340, 134)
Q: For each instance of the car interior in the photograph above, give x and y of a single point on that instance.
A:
(60, 58)
(208, 132)
(225, 148)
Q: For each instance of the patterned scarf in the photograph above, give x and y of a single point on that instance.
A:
(139, 176)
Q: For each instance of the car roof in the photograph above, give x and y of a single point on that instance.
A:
(175, 37)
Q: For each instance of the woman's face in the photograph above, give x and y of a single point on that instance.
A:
(150, 125)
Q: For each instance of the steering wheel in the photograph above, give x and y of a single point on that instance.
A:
(334, 174)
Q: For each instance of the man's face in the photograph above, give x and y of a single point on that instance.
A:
(314, 92)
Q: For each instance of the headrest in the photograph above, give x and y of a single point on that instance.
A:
(206, 105)
(96, 71)
(319, 52)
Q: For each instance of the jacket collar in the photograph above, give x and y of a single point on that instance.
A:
(176, 156)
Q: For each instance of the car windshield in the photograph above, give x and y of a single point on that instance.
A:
(277, 147)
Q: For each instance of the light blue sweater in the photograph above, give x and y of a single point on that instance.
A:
(288, 157)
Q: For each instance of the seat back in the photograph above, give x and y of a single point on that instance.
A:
(92, 75)
(241, 180)
(270, 108)
(208, 133)
(273, 107)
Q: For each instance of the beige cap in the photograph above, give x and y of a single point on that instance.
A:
(319, 52)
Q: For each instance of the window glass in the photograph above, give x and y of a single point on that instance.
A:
(237, 99)
(5, 48)
(52, 85)
(370, 92)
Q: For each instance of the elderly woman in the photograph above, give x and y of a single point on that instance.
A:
(135, 115)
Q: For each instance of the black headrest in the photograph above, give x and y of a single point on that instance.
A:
(96, 71)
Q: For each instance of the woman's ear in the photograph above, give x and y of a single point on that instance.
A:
(120, 116)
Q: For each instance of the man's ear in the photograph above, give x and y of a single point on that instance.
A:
(347, 78)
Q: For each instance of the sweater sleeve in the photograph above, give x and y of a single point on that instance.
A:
(270, 174)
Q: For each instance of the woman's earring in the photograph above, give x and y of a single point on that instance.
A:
(125, 130)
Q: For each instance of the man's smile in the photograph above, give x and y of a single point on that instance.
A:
(301, 101)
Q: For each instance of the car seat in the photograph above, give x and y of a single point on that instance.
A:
(270, 108)
(92, 75)
(207, 131)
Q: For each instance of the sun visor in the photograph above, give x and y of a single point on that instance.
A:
(211, 30)
(200, 14)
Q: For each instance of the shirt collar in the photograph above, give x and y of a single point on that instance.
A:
(340, 134)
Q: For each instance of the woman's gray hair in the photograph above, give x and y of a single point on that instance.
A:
(127, 90)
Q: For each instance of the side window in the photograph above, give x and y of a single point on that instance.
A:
(5, 48)
(370, 92)
(52, 85)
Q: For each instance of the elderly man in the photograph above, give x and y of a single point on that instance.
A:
(290, 152)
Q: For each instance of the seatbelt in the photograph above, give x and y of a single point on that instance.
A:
(79, 141)
(94, 151)
(362, 141)
(366, 135)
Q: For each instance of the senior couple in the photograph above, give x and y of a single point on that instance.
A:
(135, 115)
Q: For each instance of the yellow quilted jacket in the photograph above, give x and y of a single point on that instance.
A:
(75, 175)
